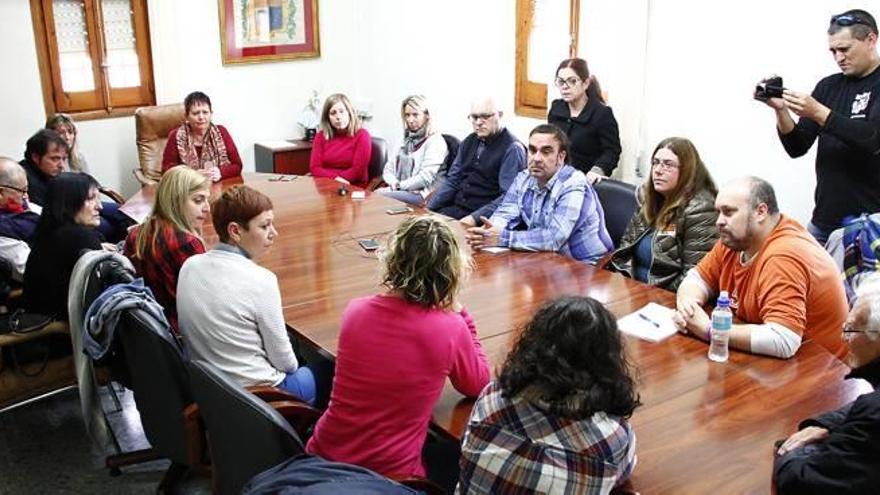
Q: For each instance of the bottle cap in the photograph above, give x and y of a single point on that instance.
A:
(723, 299)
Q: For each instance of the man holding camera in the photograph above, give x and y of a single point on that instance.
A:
(844, 113)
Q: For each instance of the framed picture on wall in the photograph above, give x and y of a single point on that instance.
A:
(268, 30)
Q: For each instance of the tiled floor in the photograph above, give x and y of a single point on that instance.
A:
(44, 449)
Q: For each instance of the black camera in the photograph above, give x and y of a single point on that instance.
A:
(769, 88)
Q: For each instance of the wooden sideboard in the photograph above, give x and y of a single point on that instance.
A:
(283, 157)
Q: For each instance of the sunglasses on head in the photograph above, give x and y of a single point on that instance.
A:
(846, 20)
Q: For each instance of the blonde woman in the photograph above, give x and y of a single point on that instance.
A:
(342, 148)
(64, 126)
(396, 350)
(173, 232)
(675, 226)
(410, 175)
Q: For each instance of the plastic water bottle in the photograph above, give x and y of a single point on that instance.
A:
(722, 320)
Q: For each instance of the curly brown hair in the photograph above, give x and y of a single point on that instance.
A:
(424, 263)
(571, 356)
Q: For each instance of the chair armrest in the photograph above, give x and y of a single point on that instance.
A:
(418, 483)
(272, 394)
(114, 195)
(143, 179)
(300, 415)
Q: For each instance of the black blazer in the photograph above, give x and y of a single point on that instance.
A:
(594, 137)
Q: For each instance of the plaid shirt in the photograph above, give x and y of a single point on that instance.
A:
(517, 447)
(564, 216)
(161, 264)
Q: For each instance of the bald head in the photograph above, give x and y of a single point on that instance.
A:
(485, 117)
(10, 171)
(747, 212)
(13, 183)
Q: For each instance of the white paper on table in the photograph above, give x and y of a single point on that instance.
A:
(652, 322)
(494, 249)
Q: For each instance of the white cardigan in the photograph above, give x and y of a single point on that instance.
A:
(229, 310)
(426, 163)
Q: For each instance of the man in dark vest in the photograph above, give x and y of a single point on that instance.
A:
(487, 162)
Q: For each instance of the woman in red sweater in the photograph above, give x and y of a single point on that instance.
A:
(396, 350)
(200, 144)
(343, 147)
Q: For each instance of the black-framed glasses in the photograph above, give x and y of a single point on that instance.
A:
(16, 189)
(849, 329)
(846, 20)
(474, 117)
(571, 81)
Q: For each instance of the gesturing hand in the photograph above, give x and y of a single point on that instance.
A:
(483, 236)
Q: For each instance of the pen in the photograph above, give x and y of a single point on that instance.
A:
(652, 322)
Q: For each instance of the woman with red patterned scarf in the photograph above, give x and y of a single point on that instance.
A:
(200, 144)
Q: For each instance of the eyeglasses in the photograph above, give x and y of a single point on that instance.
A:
(476, 117)
(849, 330)
(562, 83)
(845, 20)
(16, 189)
(667, 165)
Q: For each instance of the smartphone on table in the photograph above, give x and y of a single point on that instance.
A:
(369, 244)
(397, 210)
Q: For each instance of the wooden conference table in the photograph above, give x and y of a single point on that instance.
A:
(703, 427)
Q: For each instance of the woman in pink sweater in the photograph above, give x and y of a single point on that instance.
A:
(396, 350)
(343, 147)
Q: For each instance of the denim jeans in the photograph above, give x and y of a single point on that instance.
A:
(300, 383)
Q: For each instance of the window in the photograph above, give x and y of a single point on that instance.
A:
(546, 33)
(94, 56)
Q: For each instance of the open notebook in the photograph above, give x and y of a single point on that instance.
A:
(652, 322)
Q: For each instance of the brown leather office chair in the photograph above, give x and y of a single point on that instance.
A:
(152, 126)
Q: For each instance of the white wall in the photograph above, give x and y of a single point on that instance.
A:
(671, 67)
(702, 64)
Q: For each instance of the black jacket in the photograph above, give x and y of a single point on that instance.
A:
(38, 182)
(50, 264)
(595, 140)
(848, 461)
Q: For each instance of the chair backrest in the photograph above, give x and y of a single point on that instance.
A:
(619, 202)
(452, 144)
(246, 436)
(159, 380)
(378, 157)
(106, 273)
(152, 126)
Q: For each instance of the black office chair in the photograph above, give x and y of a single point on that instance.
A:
(619, 203)
(246, 435)
(378, 157)
(160, 383)
(452, 144)
(262, 437)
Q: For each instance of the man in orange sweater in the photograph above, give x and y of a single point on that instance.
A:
(784, 287)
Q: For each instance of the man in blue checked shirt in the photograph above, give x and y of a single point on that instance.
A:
(549, 207)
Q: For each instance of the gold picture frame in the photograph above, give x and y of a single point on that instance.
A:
(268, 30)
